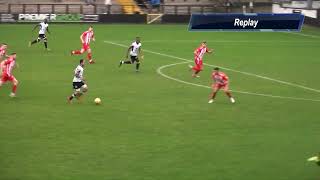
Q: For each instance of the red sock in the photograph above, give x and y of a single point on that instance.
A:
(89, 56)
(14, 88)
(76, 52)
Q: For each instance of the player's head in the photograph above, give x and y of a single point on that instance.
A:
(4, 45)
(13, 55)
(138, 39)
(81, 62)
(45, 20)
(204, 44)
(90, 28)
(216, 69)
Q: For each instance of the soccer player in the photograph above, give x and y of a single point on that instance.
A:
(221, 81)
(79, 86)
(7, 67)
(85, 38)
(198, 55)
(42, 33)
(135, 54)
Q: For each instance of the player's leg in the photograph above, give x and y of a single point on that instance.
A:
(76, 90)
(131, 61)
(89, 56)
(79, 89)
(74, 94)
(45, 41)
(196, 69)
(3, 79)
(81, 51)
(228, 93)
(137, 64)
(83, 90)
(35, 41)
(215, 89)
(15, 83)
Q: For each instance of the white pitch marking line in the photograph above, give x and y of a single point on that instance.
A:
(240, 92)
(217, 41)
(302, 34)
(229, 69)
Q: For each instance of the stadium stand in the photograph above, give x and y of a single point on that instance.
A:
(59, 6)
(181, 7)
(130, 7)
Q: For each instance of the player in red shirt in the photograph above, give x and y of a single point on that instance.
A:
(85, 38)
(221, 81)
(7, 67)
(198, 55)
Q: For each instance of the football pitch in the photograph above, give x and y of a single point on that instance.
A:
(157, 124)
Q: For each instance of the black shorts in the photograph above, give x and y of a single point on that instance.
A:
(134, 59)
(42, 36)
(77, 85)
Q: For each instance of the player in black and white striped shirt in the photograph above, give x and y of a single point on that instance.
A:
(78, 83)
(135, 54)
(42, 33)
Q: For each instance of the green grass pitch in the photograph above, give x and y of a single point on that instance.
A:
(153, 128)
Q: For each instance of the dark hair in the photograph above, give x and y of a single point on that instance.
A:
(205, 42)
(216, 69)
(13, 53)
(81, 61)
(2, 44)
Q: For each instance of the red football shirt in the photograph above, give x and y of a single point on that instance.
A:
(220, 78)
(8, 66)
(87, 36)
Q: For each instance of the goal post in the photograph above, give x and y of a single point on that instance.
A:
(154, 18)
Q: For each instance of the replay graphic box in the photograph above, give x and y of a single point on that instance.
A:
(246, 22)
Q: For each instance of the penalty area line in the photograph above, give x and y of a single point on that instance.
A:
(159, 71)
(229, 69)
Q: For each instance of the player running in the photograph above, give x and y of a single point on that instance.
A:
(221, 81)
(7, 66)
(198, 55)
(78, 83)
(135, 54)
(85, 38)
(42, 34)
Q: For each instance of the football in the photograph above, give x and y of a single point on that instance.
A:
(97, 101)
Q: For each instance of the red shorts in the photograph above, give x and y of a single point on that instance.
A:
(217, 86)
(85, 47)
(6, 78)
(198, 65)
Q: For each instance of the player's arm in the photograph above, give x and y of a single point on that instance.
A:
(210, 51)
(48, 30)
(93, 38)
(2, 64)
(38, 25)
(141, 54)
(81, 39)
(130, 47)
(196, 52)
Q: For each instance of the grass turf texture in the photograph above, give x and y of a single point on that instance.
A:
(150, 127)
